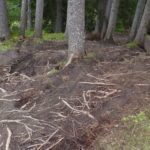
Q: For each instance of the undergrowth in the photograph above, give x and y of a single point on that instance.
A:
(14, 39)
(135, 135)
(132, 44)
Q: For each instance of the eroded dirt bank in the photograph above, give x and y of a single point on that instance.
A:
(67, 109)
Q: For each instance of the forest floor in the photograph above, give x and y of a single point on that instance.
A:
(97, 103)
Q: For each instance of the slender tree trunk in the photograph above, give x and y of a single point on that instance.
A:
(29, 17)
(112, 19)
(23, 19)
(100, 16)
(142, 31)
(76, 28)
(106, 18)
(98, 21)
(4, 30)
(137, 18)
(39, 18)
(66, 28)
(58, 26)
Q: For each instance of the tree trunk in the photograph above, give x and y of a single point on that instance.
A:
(100, 15)
(66, 28)
(137, 18)
(142, 31)
(76, 28)
(23, 19)
(29, 17)
(106, 18)
(58, 26)
(4, 30)
(39, 18)
(112, 19)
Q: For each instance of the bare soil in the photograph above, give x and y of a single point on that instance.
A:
(69, 109)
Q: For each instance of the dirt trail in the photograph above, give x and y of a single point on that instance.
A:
(70, 108)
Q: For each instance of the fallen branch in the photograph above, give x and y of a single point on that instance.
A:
(43, 144)
(85, 101)
(80, 111)
(55, 144)
(97, 83)
(8, 139)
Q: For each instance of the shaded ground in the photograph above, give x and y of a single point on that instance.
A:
(69, 108)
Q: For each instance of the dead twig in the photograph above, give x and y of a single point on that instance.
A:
(97, 83)
(8, 138)
(85, 101)
(43, 144)
(80, 111)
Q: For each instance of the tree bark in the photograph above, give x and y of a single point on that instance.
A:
(100, 15)
(76, 28)
(23, 19)
(29, 17)
(106, 18)
(112, 19)
(66, 28)
(137, 18)
(142, 31)
(39, 18)
(58, 26)
(4, 30)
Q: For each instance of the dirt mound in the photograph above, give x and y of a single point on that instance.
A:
(69, 108)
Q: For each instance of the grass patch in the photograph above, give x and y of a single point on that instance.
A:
(132, 44)
(52, 71)
(91, 54)
(53, 36)
(135, 135)
(10, 43)
(148, 36)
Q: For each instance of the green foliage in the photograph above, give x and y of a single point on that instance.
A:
(126, 13)
(136, 118)
(132, 44)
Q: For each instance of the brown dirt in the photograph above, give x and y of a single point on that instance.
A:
(69, 109)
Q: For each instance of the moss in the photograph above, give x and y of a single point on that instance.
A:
(132, 44)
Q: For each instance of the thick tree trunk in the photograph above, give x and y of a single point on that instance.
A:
(39, 18)
(137, 18)
(76, 27)
(106, 18)
(112, 19)
(58, 26)
(100, 16)
(29, 17)
(4, 30)
(23, 19)
(142, 31)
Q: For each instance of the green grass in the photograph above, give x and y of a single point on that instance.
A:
(135, 135)
(91, 54)
(10, 43)
(52, 71)
(148, 36)
(53, 36)
(132, 44)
